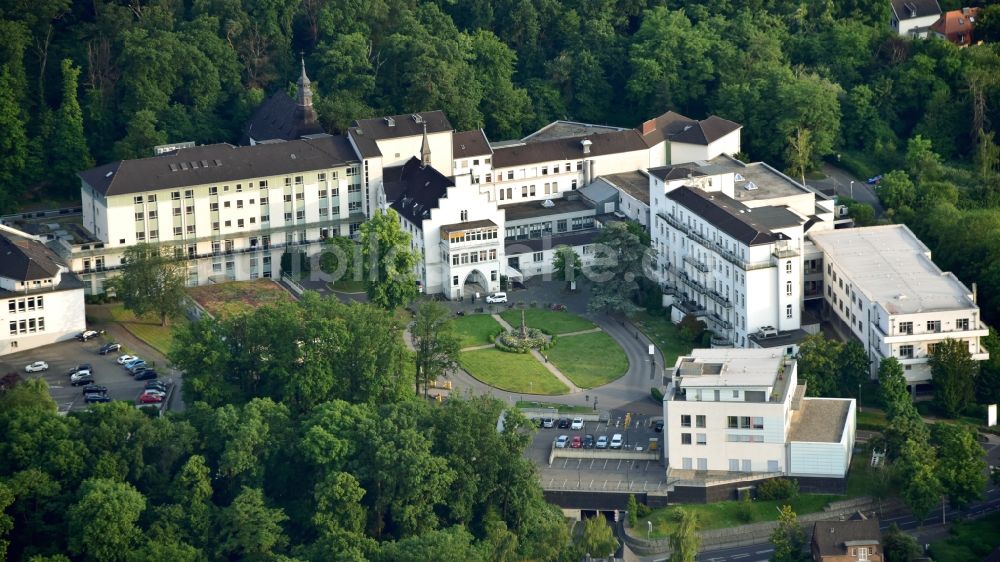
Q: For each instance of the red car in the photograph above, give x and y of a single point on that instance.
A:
(577, 442)
(150, 399)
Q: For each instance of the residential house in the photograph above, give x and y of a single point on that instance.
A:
(957, 26)
(847, 541)
(914, 18)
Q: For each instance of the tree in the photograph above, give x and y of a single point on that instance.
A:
(862, 213)
(953, 372)
(341, 259)
(102, 524)
(13, 145)
(6, 521)
(447, 545)
(921, 160)
(684, 538)
(899, 546)
(598, 538)
(819, 364)
(917, 469)
(389, 261)
(141, 136)
(565, 264)
(151, 282)
(619, 262)
(961, 468)
(853, 369)
(892, 387)
(249, 529)
(988, 381)
(788, 538)
(436, 345)
(988, 24)
(896, 190)
(69, 151)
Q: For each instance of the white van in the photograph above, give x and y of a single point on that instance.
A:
(496, 298)
(616, 441)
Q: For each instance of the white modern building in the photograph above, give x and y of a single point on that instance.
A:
(740, 412)
(41, 301)
(882, 285)
(914, 18)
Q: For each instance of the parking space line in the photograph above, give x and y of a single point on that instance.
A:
(605, 464)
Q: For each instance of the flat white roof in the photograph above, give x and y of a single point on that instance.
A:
(734, 367)
(890, 266)
(763, 181)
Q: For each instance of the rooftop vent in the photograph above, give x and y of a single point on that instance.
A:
(218, 162)
(204, 163)
(548, 204)
(585, 143)
(739, 177)
(109, 174)
(173, 167)
(293, 156)
(390, 121)
(417, 118)
(184, 165)
(751, 186)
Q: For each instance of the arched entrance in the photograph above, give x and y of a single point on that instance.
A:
(475, 282)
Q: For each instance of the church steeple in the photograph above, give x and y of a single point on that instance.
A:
(425, 149)
(304, 110)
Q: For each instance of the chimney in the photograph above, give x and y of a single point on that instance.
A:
(649, 126)
(585, 143)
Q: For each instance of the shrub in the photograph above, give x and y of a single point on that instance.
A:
(643, 510)
(744, 510)
(656, 393)
(777, 489)
(633, 511)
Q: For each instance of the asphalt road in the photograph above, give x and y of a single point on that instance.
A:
(840, 181)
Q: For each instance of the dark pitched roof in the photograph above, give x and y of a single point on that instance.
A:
(909, 9)
(830, 537)
(413, 190)
(569, 148)
(658, 129)
(218, 163)
(280, 117)
(364, 132)
(514, 247)
(705, 131)
(750, 226)
(24, 259)
(670, 173)
(636, 184)
(470, 143)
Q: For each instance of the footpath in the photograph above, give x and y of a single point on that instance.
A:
(543, 360)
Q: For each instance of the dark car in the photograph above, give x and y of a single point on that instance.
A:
(82, 368)
(146, 375)
(658, 426)
(588, 441)
(108, 348)
(82, 380)
(157, 384)
(96, 397)
(95, 389)
(564, 423)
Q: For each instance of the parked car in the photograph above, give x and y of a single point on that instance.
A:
(588, 441)
(561, 441)
(564, 423)
(108, 348)
(86, 335)
(155, 391)
(157, 384)
(557, 306)
(135, 366)
(616, 441)
(548, 422)
(577, 423)
(125, 359)
(874, 180)
(602, 442)
(577, 442)
(95, 398)
(658, 426)
(150, 399)
(84, 368)
(36, 367)
(146, 374)
(496, 298)
(81, 379)
(95, 389)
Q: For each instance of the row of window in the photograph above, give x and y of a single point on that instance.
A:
(25, 304)
(262, 184)
(27, 326)
(472, 235)
(473, 257)
(455, 280)
(732, 422)
(906, 350)
(700, 438)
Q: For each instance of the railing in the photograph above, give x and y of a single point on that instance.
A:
(710, 293)
(696, 264)
(719, 320)
(727, 255)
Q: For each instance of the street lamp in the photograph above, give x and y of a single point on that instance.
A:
(852, 189)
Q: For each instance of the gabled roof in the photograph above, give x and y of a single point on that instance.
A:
(750, 226)
(470, 143)
(413, 190)
(365, 132)
(955, 23)
(24, 259)
(280, 117)
(218, 163)
(830, 537)
(671, 173)
(658, 129)
(570, 148)
(911, 9)
(678, 128)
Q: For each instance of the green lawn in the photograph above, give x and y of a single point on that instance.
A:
(150, 331)
(971, 541)
(871, 419)
(514, 372)
(863, 480)
(348, 286)
(664, 333)
(475, 329)
(726, 514)
(589, 360)
(563, 408)
(551, 321)
(223, 300)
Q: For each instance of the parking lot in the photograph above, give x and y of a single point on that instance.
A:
(598, 473)
(63, 356)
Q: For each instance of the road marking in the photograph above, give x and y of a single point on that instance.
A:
(735, 556)
(764, 551)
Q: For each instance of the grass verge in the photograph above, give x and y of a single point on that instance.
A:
(970, 541)
(721, 515)
(551, 321)
(514, 372)
(475, 329)
(149, 331)
(562, 408)
(665, 334)
(348, 286)
(589, 360)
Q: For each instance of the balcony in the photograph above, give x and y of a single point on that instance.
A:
(693, 262)
(710, 293)
(727, 255)
(718, 320)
